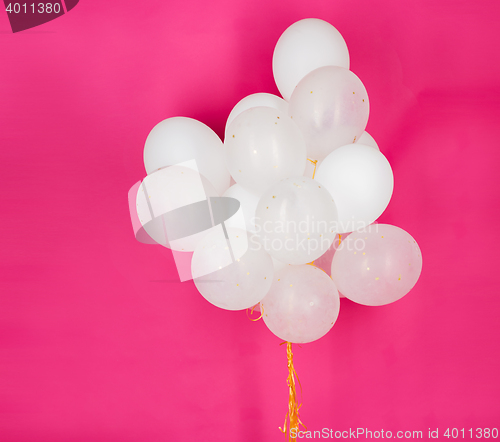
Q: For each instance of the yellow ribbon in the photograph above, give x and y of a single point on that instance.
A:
(293, 407)
(315, 162)
(251, 313)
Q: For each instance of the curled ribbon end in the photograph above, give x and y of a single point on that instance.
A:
(251, 313)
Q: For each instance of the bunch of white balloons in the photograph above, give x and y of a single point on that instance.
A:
(310, 183)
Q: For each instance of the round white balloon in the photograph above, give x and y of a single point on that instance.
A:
(378, 265)
(179, 139)
(305, 46)
(361, 182)
(264, 146)
(330, 106)
(296, 220)
(367, 140)
(257, 100)
(238, 283)
(302, 304)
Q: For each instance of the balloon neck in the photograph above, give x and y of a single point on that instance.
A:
(315, 162)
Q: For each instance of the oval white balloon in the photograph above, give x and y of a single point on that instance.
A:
(256, 100)
(330, 105)
(179, 139)
(263, 147)
(237, 283)
(305, 46)
(378, 265)
(302, 304)
(361, 182)
(296, 219)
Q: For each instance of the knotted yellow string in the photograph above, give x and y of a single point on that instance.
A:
(315, 162)
(293, 407)
(251, 312)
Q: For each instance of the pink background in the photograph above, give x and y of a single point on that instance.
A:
(98, 342)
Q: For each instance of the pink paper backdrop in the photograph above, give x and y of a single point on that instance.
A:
(98, 342)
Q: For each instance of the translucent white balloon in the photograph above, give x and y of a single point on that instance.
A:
(264, 146)
(179, 139)
(164, 191)
(257, 100)
(367, 140)
(239, 283)
(377, 266)
(305, 46)
(248, 202)
(296, 220)
(302, 304)
(330, 105)
(360, 180)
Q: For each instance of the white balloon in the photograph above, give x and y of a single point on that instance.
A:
(295, 220)
(257, 100)
(179, 139)
(263, 147)
(330, 106)
(305, 46)
(238, 283)
(367, 140)
(377, 265)
(361, 182)
(248, 203)
(302, 304)
(166, 190)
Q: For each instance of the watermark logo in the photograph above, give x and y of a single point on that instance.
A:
(27, 15)
(177, 208)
